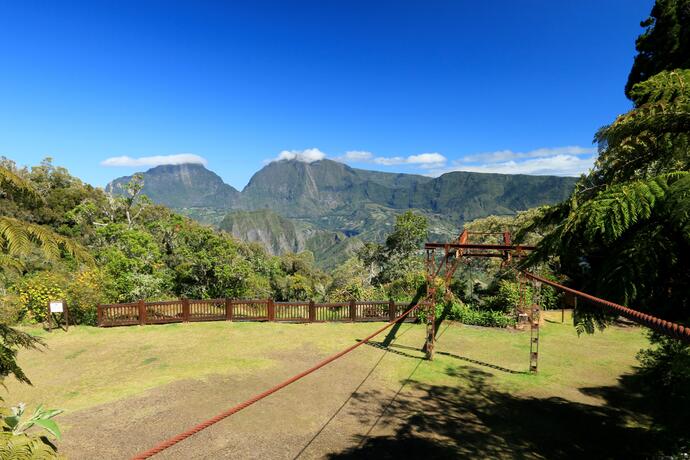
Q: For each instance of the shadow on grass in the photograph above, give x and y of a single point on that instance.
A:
(474, 419)
(395, 349)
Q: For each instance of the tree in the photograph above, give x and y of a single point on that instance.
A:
(665, 43)
(131, 202)
(398, 260)
(625, 231)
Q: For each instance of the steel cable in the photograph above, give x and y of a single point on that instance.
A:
(243, 405)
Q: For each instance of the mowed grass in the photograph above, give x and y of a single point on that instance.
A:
(89, 366)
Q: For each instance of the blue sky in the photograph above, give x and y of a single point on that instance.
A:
(108, 88)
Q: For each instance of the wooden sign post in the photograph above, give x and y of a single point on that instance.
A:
(55, 308)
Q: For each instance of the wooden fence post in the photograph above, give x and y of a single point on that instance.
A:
(353, 310)
(185, 310)
(228, 310)
(99, 312)
(142, 312)
(391, 310)
(271, 310)
(312, 311)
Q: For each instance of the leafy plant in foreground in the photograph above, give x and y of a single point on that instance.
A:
(17, 443)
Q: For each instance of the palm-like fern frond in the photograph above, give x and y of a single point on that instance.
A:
(9, 179)
(614, 210)
(17, 238)
(676, 207)
(25, 447)
(653, 137)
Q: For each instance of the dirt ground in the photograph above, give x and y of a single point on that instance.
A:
(318, 415)
(475, 400)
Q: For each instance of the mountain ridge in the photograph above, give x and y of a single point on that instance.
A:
(335, 198)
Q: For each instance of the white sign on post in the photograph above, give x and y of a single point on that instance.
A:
(56, 306)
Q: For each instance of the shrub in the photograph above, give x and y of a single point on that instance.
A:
(457, 311)
(17, 442)
(507, 298)
(84, 294)
(35, 292)
(476, 317)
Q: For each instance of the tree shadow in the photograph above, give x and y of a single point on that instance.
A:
(474, 419)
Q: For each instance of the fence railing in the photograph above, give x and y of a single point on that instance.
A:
(187, 310)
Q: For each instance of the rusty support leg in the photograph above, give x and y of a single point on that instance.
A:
(535, 312)
(430, 330)
(506, 254)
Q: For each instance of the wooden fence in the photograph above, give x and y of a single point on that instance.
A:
(186, 310)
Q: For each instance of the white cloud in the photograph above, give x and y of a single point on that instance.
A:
(155, 160)
(557, 165)
(506, 155)
(389, 161)
(424, 160)
(306, 156)
(357, 155)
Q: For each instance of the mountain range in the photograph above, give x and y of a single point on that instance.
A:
(329, 207)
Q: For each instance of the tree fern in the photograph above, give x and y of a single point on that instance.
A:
(17, 238)
(10, 180)
(676, 207)
(10, 341)
(25, 447)
(653, 137)
(614, 210)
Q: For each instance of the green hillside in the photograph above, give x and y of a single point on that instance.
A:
(280, 235)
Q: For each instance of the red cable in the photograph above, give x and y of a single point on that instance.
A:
(668, 328)
(182, 436)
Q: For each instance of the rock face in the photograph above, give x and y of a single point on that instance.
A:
(307, 190)
(319, 206)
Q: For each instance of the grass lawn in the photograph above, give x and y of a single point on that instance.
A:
(475, 398)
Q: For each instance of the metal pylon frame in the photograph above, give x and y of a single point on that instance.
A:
(453, 253)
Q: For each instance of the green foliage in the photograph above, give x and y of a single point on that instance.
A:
(649, 140)
(351, 282)
(668, 367)
(300, 279)
(280, 235)
(665, 43)
(475, 317)
(17, 443)
(11, 340)
(399, 257)
(209, 264)
(624, 234)
(41, 418)
(665, 370)
(83, 294)
(133, 263)
(36, 291)
(507, 297)
(23, 447)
